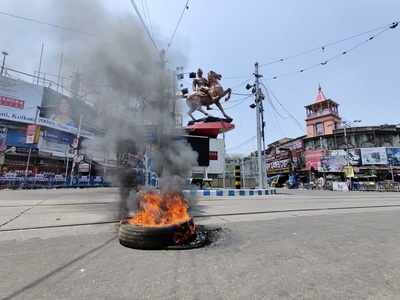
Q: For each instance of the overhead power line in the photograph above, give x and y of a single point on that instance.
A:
(235, 77)
(241, 94)
(381, 30)
(242, 83)
(177, 24)
(324, 46)
(270, 92)
(148, 17)
(57, 26)
(274, 107)
(334, 57)
(146, 28)
(239, 102)
(242, 144)
(275, 123)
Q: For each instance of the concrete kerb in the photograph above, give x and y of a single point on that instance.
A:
(216, 193)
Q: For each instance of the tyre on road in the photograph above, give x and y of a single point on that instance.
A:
(147, 237)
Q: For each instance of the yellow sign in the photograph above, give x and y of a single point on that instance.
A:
(348, 171)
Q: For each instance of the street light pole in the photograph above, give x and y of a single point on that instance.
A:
(30, 147)
(3, 65)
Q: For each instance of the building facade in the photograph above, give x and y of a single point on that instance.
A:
(40, 125)
(333, 149)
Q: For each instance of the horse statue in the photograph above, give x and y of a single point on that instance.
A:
(212, 95)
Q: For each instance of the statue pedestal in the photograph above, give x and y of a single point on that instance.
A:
(210, 127)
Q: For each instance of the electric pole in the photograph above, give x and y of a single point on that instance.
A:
(258, 96)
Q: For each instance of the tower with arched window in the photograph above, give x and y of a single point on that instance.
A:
(322, 116)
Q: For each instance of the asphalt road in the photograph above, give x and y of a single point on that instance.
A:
(62, 244)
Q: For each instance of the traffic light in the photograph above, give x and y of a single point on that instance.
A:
(237, 177)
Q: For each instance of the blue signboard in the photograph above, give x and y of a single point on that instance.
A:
(17, 138)
(393, 155)
(56, 142)
(58, 136)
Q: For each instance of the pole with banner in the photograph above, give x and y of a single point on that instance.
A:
(31, 138)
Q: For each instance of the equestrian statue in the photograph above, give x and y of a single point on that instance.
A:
(207, 92)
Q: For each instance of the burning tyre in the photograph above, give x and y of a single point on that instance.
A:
(158, 237)
(161, 221)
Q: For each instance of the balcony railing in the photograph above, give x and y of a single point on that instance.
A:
(322, 113)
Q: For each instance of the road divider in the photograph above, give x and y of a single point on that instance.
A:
(215, 193)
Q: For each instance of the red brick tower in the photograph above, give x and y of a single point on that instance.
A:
(322, 116)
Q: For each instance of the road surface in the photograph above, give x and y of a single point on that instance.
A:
(62, 244)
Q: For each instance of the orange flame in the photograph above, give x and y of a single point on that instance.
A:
(160, 210)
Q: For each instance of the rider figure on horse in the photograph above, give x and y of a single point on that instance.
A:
(207, 92)
(201, 85)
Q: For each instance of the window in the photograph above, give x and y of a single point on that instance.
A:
(319, 128)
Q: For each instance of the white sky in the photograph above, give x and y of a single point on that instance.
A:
(229, 36)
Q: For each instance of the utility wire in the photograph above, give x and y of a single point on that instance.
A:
(144, 24)
(283, 107)
(144, 12)
(274, 107)
(146, 7)
(177, 24)
(235, 77)
(240, 102)
(70, 29)
(334, 57)
(241, 83)
(243, 143)
(323, 47)
(241, 94)
(275, 122)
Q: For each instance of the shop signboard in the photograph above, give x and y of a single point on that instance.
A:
(374, 156)
(56, 142)
(32, 134)
(393, 155)
(348, 171)
(354, 157)
(19, 100)
(296, 146)
(282, 165)
(65, 113)
(17, 138)
(336, 160)
(313, 159)
(279, 161)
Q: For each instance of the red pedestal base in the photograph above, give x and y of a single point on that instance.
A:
(210, 127)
